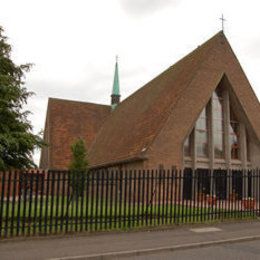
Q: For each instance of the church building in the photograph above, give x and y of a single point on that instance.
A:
(201, 113)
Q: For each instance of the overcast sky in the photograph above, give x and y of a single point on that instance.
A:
(73, 43)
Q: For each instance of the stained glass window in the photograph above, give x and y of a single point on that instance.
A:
(216, 122)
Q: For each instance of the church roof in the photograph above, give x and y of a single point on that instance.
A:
(132, 128)
(65, 122)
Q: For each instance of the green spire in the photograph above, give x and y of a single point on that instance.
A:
(115, 97)
(116, 90)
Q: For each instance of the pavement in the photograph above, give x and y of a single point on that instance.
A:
(111, 245)
(249, 250)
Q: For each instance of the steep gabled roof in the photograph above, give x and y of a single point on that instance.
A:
(65, 122)
(133, 126)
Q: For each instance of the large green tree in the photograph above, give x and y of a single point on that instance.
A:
(17, 140)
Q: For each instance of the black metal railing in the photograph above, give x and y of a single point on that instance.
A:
(41, 203)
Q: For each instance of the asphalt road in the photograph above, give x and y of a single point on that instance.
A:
(238, 251)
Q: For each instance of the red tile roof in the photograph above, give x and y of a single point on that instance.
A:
(67, 120)
(134, 125)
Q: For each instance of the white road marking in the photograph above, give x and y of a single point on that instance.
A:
(204, 230)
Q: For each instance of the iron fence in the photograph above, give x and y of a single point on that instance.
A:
(41, 203)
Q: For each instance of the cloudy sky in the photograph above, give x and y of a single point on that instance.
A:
(73, 43)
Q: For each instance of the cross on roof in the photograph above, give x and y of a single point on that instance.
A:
(223, 20)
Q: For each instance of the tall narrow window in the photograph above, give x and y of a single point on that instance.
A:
(234, 137)
(247, 148)
(218, 123)
(187, 146)
(202, 134)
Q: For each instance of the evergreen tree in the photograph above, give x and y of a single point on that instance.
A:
(78, 167)
(17, 141)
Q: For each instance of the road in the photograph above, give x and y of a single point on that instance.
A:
(237, 251)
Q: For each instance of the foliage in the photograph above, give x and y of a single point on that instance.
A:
(17, 141)
(78, 167)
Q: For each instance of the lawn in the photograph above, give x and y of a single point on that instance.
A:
(55, 215)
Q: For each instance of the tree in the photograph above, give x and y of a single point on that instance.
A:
(17, 142)
(78, 167)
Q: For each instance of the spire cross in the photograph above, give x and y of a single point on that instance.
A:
(116, 58)
(223, 20)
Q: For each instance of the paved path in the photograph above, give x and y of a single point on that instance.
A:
(249, 250)
(46, 248)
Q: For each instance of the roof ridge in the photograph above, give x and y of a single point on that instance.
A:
(77, 101)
